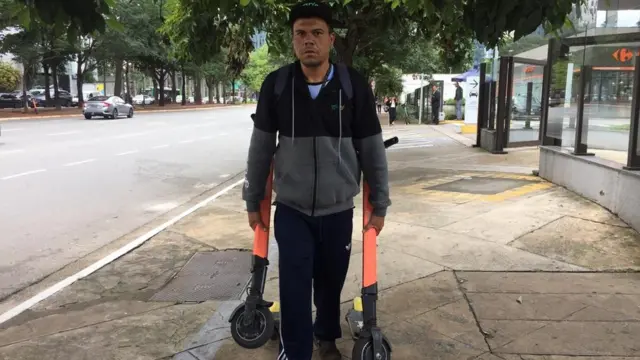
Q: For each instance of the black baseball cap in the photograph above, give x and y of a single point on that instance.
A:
(311, 9)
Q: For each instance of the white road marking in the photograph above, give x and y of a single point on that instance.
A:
(24, 174)
(127, 152)
(161, 146)
(224, 176)
(11, 152)
(17, 310)
(79, 162)
(124, 136)
(187, 141)
(64, 133)
(206, 138)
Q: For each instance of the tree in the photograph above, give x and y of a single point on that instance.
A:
(75, 17)
(238, 45)
(9, 77)
(259, 66)
(452, 24)
(389, 81)
(215, 72)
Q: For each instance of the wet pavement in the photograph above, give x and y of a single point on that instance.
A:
(479, 259)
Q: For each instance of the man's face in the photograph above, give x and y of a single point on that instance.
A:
(434, 88)
(312, 41)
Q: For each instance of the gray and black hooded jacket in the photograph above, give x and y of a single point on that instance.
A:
(323, 145)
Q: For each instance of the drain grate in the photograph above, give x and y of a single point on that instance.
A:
(481, 185)
(218, 275)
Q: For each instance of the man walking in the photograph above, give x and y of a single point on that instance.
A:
(324, 117)
(458, 99)
(435, 105)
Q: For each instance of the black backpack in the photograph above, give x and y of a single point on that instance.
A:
(343, 75)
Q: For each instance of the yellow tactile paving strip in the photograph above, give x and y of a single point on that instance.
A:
(419, 188)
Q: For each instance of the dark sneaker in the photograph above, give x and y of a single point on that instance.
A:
(328, 350)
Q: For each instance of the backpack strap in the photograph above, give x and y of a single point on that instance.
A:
(343, 75)
(281, 80)
(345, 80)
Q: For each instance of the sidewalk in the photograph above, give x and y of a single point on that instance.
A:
(478, 260)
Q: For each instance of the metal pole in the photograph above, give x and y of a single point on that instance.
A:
(633, 157)
(421, 99)
(580, 146)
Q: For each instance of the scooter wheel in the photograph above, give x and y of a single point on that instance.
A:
(363, 350)
(257, 332)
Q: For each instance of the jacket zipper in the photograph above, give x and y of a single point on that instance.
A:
(315, 176)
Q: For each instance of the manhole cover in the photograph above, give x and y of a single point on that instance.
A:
(219, 275)
(481, 185)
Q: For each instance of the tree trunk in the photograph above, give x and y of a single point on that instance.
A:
(217, 91)
(25, 67)
(80, 81)
(127, 84)
(47, 84)
(184, 87)
(117, 83)
(104, 77)
(346, 47)
(155, 89)
(224, 92)
(197, 86)
(56, 93)
(161, 77)
(174, 92)
(233, 91)
(210, 84)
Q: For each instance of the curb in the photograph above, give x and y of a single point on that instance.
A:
(457, 137)
(137, 111)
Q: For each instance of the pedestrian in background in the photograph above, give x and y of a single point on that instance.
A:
(435, 105)
(458, 99)
(392, 104)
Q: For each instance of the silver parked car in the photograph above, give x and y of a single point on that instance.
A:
(107, 106)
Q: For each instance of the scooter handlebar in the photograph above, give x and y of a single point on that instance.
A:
(390, 142)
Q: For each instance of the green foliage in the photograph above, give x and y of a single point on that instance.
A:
(73, 17)
(388, 81)
(260, 65)
(9, 77)
(559, 76)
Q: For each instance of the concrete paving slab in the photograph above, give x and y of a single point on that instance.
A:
(607, 307)
(408, 300)
(585, 243)
(500, 226)
(562, 201)
(523, 306)
(579, 339)
(501, 332)
(73, 319)
(456, 321)
(394, 268)
(550, 283)
(136, 276)
(462, 252)
(217, 227)
(152, 335)
(212, 275)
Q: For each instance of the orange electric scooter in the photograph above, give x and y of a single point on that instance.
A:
(256, 321)
(369, 344)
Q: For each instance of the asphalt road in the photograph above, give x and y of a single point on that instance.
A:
(70, 186)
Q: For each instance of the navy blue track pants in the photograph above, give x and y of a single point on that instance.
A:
(314, 254)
